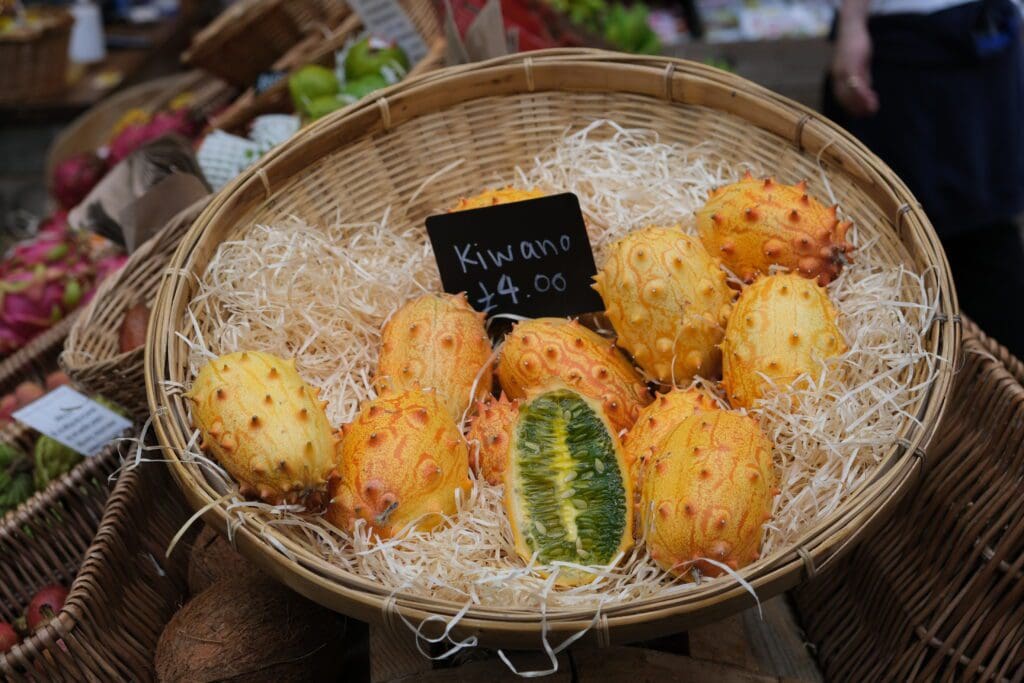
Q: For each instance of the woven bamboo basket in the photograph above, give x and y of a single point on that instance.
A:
(244, 40)
(320, 49)
(938, 593)
(108, 549)
(37, 358)
(35, 63)
(93, 128)
(493, 116)
(92, 355)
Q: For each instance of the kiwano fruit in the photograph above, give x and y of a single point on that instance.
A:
(504, 195)
(403, 460)
(707, 494)
(781, 327)
(668, 301)
(489, 436)
(568, 492)
(264, 425)
(657, 421)
(436, 341)
(753, 224)
(543, 350)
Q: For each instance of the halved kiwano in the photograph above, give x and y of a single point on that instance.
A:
(567, 487)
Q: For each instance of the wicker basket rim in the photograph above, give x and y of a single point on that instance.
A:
(678, 81)
(58, 20)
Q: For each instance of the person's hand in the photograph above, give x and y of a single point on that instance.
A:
(851, 69)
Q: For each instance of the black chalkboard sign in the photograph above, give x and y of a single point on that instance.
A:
(530, 258)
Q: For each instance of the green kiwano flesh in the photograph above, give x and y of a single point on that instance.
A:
(567, 489)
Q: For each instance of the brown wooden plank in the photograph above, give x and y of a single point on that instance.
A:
(777, 643)
(725, 642)
(637, 665)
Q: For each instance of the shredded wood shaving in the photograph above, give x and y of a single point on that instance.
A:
(322, 294)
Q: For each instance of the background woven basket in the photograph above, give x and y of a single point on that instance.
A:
(37, 358)
(493, 116)
(245, 39)
(938, 594)
(93, 129)
(320, 49)
(35, 63)
(92, 356)
(108, 548)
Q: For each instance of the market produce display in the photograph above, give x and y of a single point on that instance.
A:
(45, 278)
(691, 430)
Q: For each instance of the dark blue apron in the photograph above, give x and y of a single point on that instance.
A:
(951, 117)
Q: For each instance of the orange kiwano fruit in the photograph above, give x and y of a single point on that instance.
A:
(545, 350)
(436, 341)
(668, 301)
(753, 224)
(707, 493)
(658, 420)
(403, 460)
(489, 436)
(781, 327)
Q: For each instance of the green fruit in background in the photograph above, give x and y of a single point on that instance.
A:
(15, 478)
(627, 29)
(52, 459)
(322, 106)
(310, 83)
(370, 55)
(362, 87)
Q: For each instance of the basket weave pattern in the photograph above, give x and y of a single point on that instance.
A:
(108, 548)
(491, 117)
(35, 65)
(939, 593)
(92, 356)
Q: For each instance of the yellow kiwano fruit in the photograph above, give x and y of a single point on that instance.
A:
(781, 327)
(264, 425)
(707, 494)
(540, 351)
(668, 301)
(436, 341)
(658, 420)
(753, 224)
(568, 493)
(403, 460)
(503, 195)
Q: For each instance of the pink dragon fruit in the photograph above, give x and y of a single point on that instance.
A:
(75, 177)
(134, 136)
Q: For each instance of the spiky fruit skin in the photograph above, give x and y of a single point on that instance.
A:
(436, 341)
(657, 421)
(540, 351)
(707, 494)
(504, 195)
(781, 327)
(489, 436)
(568, 493)
(264, 425)
(668, 301)
(753, 224)
(403, 460)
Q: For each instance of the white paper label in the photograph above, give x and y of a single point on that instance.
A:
(74, 420)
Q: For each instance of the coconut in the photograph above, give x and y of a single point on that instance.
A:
(214, 558)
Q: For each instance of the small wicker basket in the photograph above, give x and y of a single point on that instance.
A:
(317, 49)
(35, 61)
(37, 358)
(491, 117)
(92, 355)
(245, 40)
(938, 593)
(108, 549)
